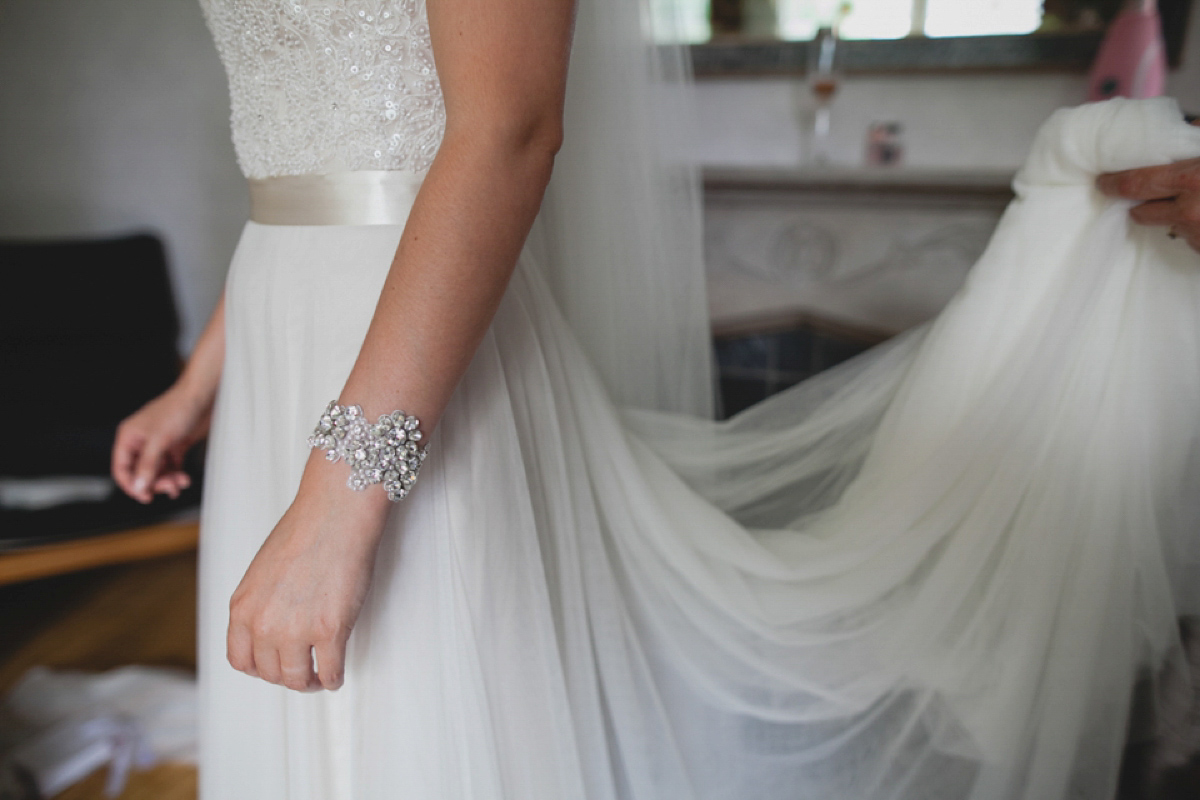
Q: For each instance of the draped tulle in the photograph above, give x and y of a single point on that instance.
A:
(933, 572)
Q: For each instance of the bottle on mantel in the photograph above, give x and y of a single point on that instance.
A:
(1132, 61)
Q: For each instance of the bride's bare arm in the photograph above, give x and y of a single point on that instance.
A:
(502, 66)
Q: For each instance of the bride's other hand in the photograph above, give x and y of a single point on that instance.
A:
(304, 589)
(147, 455)
(1169, 195)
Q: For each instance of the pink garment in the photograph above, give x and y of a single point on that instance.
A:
(1132, 60)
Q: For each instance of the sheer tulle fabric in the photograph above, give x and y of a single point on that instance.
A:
(934, 572)
(619, 234)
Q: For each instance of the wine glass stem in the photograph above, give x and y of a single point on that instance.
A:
(821, 124)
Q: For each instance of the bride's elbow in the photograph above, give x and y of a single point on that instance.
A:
(537, 134)
(530, 137)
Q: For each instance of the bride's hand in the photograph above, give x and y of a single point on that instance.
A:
(147, 455)
(302, 592)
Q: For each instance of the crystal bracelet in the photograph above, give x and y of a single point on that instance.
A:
(387, 451)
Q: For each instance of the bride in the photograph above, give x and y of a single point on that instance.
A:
(934, 572)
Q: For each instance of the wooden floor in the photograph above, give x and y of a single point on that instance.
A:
(141, 613)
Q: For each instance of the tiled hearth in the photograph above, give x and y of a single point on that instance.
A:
(753, 366)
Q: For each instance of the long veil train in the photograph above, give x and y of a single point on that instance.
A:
(962, 548)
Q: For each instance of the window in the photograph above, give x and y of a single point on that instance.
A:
(867, 19)
(864, 19)
(981, 17)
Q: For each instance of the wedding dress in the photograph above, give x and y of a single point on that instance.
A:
(935, 572)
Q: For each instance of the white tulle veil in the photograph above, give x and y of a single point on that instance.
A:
(620, 225)
(937, 571)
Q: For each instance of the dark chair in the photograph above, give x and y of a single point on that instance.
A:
(88, 334)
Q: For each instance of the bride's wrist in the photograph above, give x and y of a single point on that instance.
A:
(387, 452)
(324, 482)
(198, 395)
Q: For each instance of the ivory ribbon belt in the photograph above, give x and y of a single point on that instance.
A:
(359, 197)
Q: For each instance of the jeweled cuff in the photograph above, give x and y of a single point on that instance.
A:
(388, 451)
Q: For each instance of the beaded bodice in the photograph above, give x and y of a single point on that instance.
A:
(319, 86)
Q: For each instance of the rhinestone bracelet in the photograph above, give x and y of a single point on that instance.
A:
(387, 451)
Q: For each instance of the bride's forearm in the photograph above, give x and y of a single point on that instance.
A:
(454, 260)
(451, 268)
(502, 65)
(200, 376)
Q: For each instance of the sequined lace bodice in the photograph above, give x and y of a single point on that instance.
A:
(320, 86)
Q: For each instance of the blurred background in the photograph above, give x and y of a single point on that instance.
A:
(855, 157)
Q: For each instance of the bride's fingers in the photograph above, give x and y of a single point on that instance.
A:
(165, 484)
(331, 663)
(266, 661)
(148, 467)
(295, 667)
(239, 650)
(125, 453)
(172, 484)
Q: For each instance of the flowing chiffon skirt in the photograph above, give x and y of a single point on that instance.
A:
(933, 572)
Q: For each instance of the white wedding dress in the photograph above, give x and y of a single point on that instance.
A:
(933, 573)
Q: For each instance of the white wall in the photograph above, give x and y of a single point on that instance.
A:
(114, 116)
(976, 121)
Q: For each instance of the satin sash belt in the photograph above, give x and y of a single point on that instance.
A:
(360, 197)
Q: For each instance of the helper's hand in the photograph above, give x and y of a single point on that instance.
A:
(1169, 195)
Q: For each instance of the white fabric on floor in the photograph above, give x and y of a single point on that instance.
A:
(57, 726)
